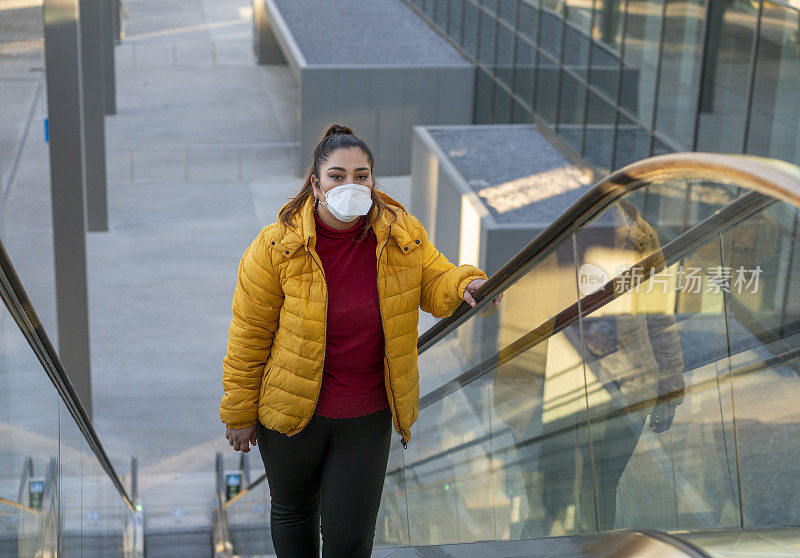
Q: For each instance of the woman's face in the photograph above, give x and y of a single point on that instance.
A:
(344, 166)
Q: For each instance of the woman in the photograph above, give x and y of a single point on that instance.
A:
(321, 355)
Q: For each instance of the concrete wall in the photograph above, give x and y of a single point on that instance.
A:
(380, 101)
(456, 219)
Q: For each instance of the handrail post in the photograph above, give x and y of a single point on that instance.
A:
(138, 512)
(223, 547)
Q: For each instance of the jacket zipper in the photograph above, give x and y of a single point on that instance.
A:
(325, 340)
(380, 313)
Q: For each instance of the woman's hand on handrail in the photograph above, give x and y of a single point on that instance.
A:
(472, 287)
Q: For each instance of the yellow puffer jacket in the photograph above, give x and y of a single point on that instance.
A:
(272, 371)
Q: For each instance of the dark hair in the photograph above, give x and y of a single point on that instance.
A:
(335, 136)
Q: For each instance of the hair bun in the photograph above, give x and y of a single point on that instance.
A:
(334, 129)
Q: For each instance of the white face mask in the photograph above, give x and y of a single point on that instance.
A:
(348, 202)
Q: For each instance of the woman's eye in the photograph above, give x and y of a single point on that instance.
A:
(364, 177)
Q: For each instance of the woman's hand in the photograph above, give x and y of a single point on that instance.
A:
(472, 287)
(239, 438)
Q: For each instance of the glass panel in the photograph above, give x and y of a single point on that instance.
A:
(599, 132)
(505, 55)
(608, 24)
(502, 106)
(633, 143)
(623, 381)
(523, 71)
(725, 80)
(26, 212)
(440, 12)
(93, 513)
(659, 147)
(489, 5)
(50, 481)
(73, 460)
(546, 90)
(776, 93)
(470, 37)
(760, 262)
(488, 33)
(528, 19)
(392, 524)
(551, 29)
(576, 34)
(576, 58)
(454, 22)
(643, 347)
(547, 72)
(571, 111)
(605, 71)
(483, 99)
(119, 516)
(605, 45)
(29, 414)
(639, 72)
(680, 69)
(429, 6)
(449, 498)
(506, 10)
(539, 432)
(248, 518)
(521, 114)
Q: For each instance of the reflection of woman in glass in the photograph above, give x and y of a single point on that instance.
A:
(632, 348)
(632, 354)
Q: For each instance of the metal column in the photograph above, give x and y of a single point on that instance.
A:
(66, 126)
(92, 44)
(108, 39)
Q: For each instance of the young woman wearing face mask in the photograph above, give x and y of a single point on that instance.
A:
(321, 356)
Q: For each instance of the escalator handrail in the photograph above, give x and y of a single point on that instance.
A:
(23, 313)
(739, 209)
(772, 177)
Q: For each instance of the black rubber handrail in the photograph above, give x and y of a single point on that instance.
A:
(22, 312)
(777, 179)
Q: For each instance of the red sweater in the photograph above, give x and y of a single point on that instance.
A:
(352, 377)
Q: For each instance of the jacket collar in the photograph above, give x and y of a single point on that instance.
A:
(304, 231)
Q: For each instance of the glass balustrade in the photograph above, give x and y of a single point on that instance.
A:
(641, 373)
(56, 498)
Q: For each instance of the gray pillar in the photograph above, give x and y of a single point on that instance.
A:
(108, 39)
(116, 24)
(94, 138)
(63, 64)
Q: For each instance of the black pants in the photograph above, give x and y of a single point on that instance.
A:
(333, 468)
